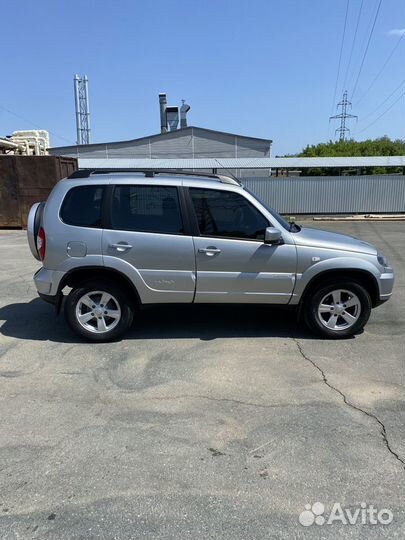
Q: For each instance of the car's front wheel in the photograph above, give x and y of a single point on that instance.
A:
(98, 311)
(337, 309)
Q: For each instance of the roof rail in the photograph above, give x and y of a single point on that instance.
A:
(150, 173)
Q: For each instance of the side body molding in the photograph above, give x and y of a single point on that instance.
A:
(148, 294)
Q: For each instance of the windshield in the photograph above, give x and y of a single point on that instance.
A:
(281, 220)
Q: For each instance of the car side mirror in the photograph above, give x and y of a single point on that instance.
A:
(272, 236)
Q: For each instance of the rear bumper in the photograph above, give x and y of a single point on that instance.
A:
(55, 300)
(47, 284)
(47, 281)
(50, 299)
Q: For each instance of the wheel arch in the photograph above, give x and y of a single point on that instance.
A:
(84, 273)
(362, 277)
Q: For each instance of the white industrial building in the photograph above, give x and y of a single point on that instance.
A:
(188, 142)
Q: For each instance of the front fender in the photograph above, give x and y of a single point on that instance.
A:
(328, 265)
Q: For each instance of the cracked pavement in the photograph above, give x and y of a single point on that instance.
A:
(383, 430)
(206, 422)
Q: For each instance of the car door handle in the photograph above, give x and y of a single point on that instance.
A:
(121, 247)
(210, 251)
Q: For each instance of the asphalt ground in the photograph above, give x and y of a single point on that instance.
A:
(205, 422)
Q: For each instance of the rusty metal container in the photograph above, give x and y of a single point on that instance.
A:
(25, 180)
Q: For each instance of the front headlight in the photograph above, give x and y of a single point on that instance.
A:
(382, 259)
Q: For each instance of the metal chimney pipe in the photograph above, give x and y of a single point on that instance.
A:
(163, 116)
(76, 81)
(86, 90)
(183, 114)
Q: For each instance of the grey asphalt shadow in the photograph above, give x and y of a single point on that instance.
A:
(37, 320)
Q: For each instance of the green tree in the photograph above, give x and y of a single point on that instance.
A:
(382, 146)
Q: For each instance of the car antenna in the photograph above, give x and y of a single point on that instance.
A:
(230, 173)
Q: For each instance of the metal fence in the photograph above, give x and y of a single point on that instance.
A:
(331, 194)
(25, 180)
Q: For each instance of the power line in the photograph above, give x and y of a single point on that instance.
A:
(382, 69)
(382, 114)
(340, 54)
(385, 101)
(34, 125)
(353, 43)
(366, 50)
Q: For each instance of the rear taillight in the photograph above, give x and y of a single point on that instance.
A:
(41, 243)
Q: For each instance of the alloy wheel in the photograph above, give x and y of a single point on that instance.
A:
(339, 309)
(98, 312)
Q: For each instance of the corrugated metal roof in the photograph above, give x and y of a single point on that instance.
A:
(243, 163)
(177, 132)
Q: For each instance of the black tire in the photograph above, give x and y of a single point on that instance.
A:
(313, 301)
(119, 298)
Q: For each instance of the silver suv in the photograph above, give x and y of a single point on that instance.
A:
(120, 240)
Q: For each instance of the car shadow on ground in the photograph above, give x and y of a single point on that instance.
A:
(37, 320)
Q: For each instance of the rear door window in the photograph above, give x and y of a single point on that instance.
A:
(153, 209)
(82, 206)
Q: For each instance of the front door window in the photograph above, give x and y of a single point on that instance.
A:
(227, 214)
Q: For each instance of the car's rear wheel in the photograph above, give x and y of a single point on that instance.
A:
(99, 311)
(337, 309)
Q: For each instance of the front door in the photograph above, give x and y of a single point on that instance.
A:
(147, 241)
(233, 262)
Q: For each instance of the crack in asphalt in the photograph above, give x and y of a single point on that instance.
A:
(229, 400)
(383, 430)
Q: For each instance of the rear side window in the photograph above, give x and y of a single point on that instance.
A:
(82, 206)
(147, 209)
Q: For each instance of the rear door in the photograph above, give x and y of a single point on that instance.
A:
(233, 262)
(148, 241)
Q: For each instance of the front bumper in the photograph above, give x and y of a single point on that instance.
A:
(386, 284)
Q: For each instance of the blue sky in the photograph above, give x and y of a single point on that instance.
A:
(265, 68)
